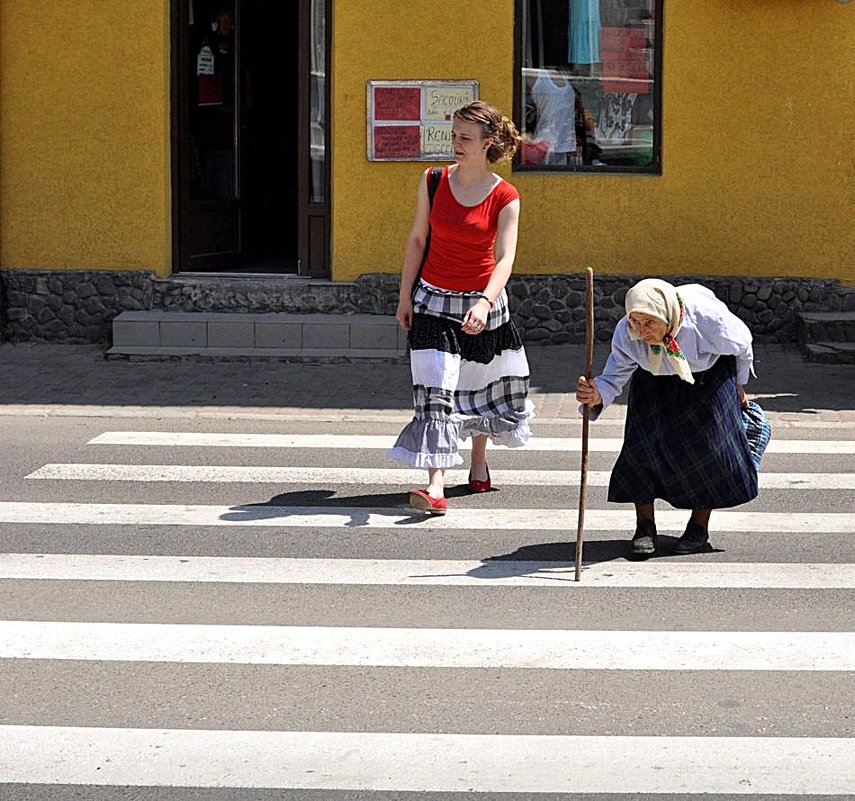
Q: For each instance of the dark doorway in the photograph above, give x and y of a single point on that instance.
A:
(270, 51)
(239, 90)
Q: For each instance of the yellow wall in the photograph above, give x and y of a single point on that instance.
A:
(84, 139)
(757, 143)
(758, 118)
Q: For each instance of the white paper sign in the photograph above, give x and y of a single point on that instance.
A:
(205, 61)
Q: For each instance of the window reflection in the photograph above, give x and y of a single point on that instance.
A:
(213, 163)
(317, 111)
(588, 83)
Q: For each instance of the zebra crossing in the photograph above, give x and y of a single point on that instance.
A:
(234, 610)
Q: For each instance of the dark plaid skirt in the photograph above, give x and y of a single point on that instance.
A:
(685, 443)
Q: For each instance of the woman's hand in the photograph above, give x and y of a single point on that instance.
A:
(587, 393)
(743, 398)
(476, 318)
(404, 314)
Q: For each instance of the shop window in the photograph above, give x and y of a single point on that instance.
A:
(589, 85)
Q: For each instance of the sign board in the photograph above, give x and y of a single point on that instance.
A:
(411, 120)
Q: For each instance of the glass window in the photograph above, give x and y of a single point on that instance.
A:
(589, 85)
(317, 115)
(213, 100)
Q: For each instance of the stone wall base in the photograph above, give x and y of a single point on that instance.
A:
(79, 305)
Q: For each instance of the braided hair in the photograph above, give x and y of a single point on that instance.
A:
(504, 137)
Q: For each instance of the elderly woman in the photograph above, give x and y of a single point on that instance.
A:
(686, 357)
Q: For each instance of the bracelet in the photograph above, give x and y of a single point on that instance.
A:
(482, 295)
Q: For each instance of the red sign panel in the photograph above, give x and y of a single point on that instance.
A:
(624, 54)
(397, 142)
(397, 103)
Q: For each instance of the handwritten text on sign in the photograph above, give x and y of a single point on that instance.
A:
(436, 140)
(441, 103)
(411, 120)
(397, 103)
(397, 142)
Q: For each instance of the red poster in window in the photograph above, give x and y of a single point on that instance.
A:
(397, 103)
(397, 142)
(210, 90)
(625, 55)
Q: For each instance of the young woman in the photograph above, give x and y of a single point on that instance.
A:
(688, 358)
(469, 369)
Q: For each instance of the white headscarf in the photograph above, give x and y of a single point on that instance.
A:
(661, 300)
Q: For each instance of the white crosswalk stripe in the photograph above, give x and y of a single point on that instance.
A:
(375, 442)
(358, 516)
(157, 562)
(428, 762)
(425, 572)
(436, 648)
(167, 473)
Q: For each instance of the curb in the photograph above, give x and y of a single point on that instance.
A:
(782, 420)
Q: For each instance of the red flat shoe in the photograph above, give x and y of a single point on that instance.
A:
(479, 486)
(419, 499)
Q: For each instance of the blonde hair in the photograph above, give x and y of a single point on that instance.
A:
(504, 137)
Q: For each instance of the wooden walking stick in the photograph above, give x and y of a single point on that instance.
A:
(586, 414)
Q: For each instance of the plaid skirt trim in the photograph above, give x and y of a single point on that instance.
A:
(453, 305)
(685, 443)
(455, 397)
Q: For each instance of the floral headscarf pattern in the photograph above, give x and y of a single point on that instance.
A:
(661, 300)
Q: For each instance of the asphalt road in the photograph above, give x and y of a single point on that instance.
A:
(728, 674)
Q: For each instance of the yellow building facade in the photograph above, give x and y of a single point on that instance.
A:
(756, 156)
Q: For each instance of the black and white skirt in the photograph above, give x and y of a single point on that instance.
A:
(463, 385)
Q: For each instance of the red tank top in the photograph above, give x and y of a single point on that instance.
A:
(460, 256)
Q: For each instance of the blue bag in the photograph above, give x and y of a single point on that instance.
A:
(757, 429)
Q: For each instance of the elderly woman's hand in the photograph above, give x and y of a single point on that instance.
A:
(587, 392)
(743, 398)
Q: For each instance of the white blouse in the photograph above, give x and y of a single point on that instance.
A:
(709, 330)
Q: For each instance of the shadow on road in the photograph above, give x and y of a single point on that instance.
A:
(522, 561)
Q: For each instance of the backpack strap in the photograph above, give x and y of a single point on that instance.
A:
(433, 182)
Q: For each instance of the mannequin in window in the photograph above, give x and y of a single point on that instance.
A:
(555, 101)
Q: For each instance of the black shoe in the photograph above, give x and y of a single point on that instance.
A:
(645, 538)
(694, 540)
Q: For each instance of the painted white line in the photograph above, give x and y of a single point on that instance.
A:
(403, 520)
(785, 422)
(374, 442)
(378, 477)
(470, 763)
(429, 648)
(425, 572)
(428, 763)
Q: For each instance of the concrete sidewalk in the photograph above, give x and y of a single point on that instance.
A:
(47, 379)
